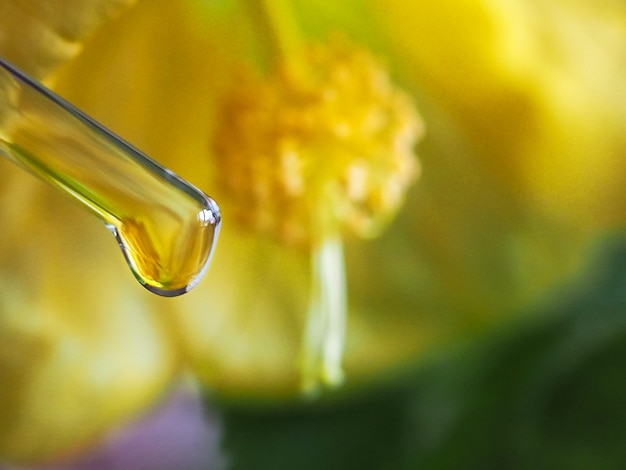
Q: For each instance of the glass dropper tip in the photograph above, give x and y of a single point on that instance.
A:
(166, 228)
(193, 245)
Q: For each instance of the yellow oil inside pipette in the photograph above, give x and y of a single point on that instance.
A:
(166, 228)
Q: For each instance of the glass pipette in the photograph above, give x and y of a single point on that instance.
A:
(166, 228)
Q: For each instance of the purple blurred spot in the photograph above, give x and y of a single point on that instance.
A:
(180, 435)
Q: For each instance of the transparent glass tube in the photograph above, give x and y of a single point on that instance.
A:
(166, 228)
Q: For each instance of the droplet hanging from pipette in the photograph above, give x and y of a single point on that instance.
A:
(166, 228)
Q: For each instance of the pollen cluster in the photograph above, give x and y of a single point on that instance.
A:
(323, 143)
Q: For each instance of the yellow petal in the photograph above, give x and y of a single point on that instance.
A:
(536, 87)
(38, 36)
(81, 348)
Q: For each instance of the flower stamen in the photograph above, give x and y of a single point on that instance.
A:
(325, 330)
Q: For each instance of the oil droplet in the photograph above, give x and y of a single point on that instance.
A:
(166, 228)
(169, 257)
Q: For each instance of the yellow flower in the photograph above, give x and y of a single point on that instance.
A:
(521, 172)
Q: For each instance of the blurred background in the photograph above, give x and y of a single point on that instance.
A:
(486, 322)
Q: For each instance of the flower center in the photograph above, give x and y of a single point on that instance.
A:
(332, 150)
